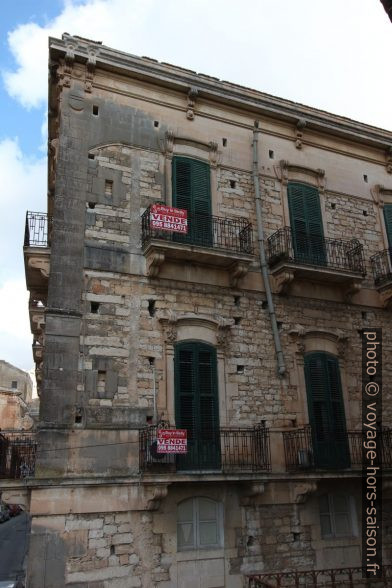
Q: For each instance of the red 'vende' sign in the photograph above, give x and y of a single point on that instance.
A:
(172, 441)
(167, 218)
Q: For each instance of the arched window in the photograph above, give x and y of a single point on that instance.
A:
(326, 411)
(196, 404)
(199, 524)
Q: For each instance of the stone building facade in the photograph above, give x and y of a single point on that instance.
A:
(16, 389)
(138, 329)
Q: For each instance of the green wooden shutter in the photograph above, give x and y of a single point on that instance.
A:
(196, 405)
(326, 411)
(192, 191)
(388, 222)
(306, 223)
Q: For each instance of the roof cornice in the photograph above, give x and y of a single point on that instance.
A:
(180, 79)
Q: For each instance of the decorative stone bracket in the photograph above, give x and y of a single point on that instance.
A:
(237, 271)
(351, 288)
(388, 156)
(282, 281)
(154, 495)
(301, 124)
(40, 263)
(192, 95)
(155, 260)
(251, 493)
(386, 298)
(301, 491)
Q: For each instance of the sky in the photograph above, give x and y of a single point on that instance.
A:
(332, 55)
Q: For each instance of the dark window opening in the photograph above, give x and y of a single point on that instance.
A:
(233, 183)
(224, 142)
(237, 320)
(95, 110)
(91, 156)
(112, 550)
(149, 419)
(151, 307)
(240, 369)
(365, 178)
(365, 212)
(91, 204)
(156, 123)
(14, 384)
(279, 325)
(78, 416)
(264, 304)
(94, 307)
(333, 205)
(364, 315)
(237, 300)
(271, 154)
(151, 361)
(296, 536)
(108, 187)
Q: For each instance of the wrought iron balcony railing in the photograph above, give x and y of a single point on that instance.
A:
(37, 229)
(294, 247)
(382, 267)
(227, 234)
(308, 448)
(17, 454)
(226, 450)
(331, 578)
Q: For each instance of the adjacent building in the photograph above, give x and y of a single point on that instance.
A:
(16, 389)
(244, 329)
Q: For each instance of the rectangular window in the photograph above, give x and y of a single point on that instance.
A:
(306, 224)
(14, 385)
(192, 192)
(337, 516)
(388, 222)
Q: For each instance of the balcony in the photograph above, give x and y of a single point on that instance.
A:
(301, 256)
(382, 273)
(37, 252)
(17, 455)
(224, 243)
(225, 451)
(348, 577)
(307, 449)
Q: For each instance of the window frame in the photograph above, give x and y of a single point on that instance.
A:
(196, 544)
(332, 513)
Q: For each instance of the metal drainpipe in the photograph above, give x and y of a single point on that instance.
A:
(263, 260)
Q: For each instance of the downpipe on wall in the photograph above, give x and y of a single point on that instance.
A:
(263, 260)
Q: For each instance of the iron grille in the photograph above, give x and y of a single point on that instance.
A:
(17, 455)
(382, 266)
(315, 250)
(300, 452)
(37, 229)
(239, 449)
(229, 234)
(331, 578)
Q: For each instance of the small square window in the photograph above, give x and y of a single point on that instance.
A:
(14, 385)
(95, 110)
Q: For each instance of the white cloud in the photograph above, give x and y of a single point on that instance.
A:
(23, 187)
(335, 57)
(15, 336)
